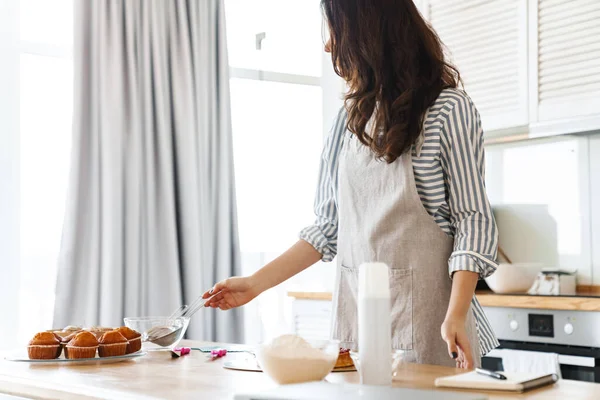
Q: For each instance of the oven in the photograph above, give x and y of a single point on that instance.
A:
(573, 335)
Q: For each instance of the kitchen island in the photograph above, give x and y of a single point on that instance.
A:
(158, 376)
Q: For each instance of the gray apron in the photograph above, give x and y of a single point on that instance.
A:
(382, 219)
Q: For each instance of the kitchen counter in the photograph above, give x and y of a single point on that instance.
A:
(568, 303)
(585, 300)
(158, 376)
(311, 295)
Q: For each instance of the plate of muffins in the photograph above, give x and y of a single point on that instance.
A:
(75, 345)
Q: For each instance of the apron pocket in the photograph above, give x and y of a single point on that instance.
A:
(401, 308)
(345, 327)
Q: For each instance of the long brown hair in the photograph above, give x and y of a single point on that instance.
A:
(394, 64)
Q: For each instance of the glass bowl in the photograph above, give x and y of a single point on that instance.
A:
(310, 364)
(145, 324)
(398, 358)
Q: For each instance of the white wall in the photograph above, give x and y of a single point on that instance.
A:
(542, 194)
(595, 205)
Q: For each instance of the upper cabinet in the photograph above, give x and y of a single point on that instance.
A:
(487, 41)
(568, 58)
(531, 66)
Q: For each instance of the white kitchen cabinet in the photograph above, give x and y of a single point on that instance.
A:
(487, 41)
(532, 67)
(567, 47)
(311, 318)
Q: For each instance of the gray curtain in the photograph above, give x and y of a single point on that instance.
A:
(151, 215)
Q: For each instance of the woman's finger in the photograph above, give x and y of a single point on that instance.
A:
(462, 358)
(224, 306)
(465, 349)
(451, 342)
(217, 304)
(215, 289)
(215, 299)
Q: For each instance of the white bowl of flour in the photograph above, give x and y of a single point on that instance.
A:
(291, 359)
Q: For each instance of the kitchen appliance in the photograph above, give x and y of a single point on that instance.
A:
(573, 335)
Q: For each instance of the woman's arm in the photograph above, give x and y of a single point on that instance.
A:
(295, 260)
(471, 219)
(317, 242)
(237, 291)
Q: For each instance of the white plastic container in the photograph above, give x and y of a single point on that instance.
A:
(374, 324)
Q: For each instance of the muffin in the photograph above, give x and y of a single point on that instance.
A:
(112, 344)
(98, 331)
(67, 331)
(44, 346)
(344, 360)
(83, 345)
(134, 339)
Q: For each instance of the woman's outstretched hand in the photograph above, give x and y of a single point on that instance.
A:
(231, 293)
(237, 291)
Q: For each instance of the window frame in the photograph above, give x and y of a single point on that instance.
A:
(332, 86)
(11, 49)
(10, 171)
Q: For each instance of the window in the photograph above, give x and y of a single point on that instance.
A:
(37, 42)
(283, 94)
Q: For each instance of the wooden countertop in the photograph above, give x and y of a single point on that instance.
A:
(584, 301)
(158, 376)
(569, 303)
(310, 295)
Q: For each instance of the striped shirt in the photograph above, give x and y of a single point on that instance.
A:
(449, 168)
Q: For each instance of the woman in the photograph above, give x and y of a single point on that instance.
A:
(401, 182)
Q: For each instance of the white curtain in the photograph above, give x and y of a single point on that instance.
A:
(151, 216)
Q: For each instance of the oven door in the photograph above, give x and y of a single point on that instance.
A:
(576, 363)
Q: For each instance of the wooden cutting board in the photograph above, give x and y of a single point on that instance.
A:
(249, 364)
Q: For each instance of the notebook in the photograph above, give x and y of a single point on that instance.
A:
(515, 382)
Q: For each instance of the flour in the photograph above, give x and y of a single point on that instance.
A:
(291, 359)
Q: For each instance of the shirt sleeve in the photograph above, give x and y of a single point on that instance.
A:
(471, 217)
(322, 235)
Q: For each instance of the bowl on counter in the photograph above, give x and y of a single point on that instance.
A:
(397, 358)
(312, 363)
(513, 278)
(145, 324)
